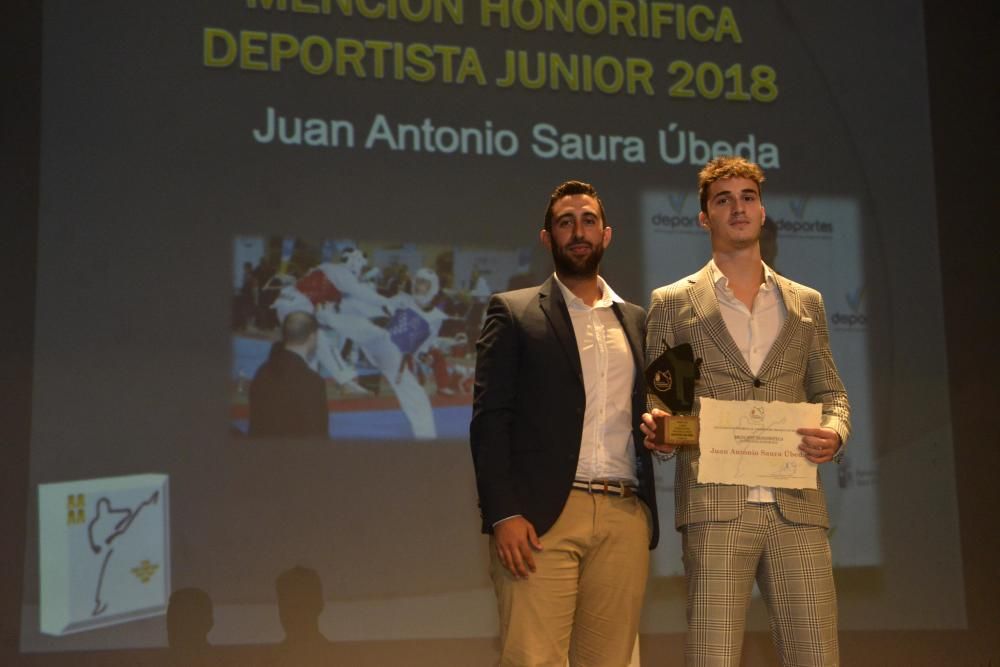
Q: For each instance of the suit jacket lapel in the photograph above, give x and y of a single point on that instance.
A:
(552, 303)
(790, 328)
(706, 305)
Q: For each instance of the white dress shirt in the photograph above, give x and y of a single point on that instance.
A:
(607, 450)
(754, 332)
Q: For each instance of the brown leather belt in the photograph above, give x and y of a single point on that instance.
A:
(610, 487)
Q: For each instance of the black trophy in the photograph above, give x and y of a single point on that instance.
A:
(671, 379)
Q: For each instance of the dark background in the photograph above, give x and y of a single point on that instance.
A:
(963, 100)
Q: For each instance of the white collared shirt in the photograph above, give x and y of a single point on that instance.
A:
(607, 450)
(754, 332)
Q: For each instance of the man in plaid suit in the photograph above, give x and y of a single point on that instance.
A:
(761, 337)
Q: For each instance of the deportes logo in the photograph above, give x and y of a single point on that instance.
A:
(856, 318)
(798, 207)
(674, 219)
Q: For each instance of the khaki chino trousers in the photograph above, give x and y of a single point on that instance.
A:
(585, 597)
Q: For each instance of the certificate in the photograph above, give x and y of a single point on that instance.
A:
(755, 443)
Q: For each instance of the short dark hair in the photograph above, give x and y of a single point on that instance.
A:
(568, 188)
(297, 328)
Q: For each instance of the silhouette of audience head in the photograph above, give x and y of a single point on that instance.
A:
(300, 603)
(189, 619)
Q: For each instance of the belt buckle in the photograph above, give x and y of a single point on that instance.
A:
(607, 490)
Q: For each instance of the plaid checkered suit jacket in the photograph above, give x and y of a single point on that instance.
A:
(798, 368)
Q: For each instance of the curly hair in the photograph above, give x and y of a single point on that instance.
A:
(726, 167)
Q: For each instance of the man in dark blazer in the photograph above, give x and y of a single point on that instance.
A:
(565, 485)
(287, 397)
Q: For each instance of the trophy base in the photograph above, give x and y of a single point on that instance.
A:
(677, 430)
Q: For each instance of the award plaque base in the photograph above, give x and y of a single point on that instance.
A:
(677, 430)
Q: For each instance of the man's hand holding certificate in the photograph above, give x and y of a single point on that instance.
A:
(756, 443)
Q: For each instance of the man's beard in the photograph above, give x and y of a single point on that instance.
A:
(584, 267)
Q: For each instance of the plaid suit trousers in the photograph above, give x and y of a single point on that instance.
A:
(793, 569)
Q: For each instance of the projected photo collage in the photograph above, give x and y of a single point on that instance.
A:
(345, 339)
